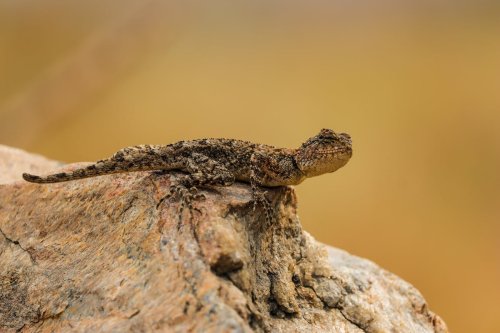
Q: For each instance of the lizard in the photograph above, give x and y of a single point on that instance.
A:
(221, 162)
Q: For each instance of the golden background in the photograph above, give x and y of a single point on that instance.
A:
(416, 84)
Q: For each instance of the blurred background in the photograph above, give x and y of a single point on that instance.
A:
(416, 84)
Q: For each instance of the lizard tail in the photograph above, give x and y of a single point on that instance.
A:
(99, 168)
(139, 158)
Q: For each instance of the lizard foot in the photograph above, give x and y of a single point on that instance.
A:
(186, 196)
(259, 197)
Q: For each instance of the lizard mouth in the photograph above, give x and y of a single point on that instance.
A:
(332, 151)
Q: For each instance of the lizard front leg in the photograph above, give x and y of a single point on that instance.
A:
(257, 178)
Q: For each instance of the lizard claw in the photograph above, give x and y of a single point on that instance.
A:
(257, 197)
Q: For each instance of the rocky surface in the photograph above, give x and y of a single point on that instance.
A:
(99, 255)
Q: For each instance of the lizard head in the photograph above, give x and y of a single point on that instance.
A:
(323, 153)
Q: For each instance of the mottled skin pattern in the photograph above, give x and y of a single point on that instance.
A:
(222, 161)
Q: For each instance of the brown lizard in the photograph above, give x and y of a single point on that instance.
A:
(223, 161)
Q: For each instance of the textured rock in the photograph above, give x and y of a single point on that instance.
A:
(98, 255)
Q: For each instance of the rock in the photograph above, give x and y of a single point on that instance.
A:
(13, 160)
(98, 255)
